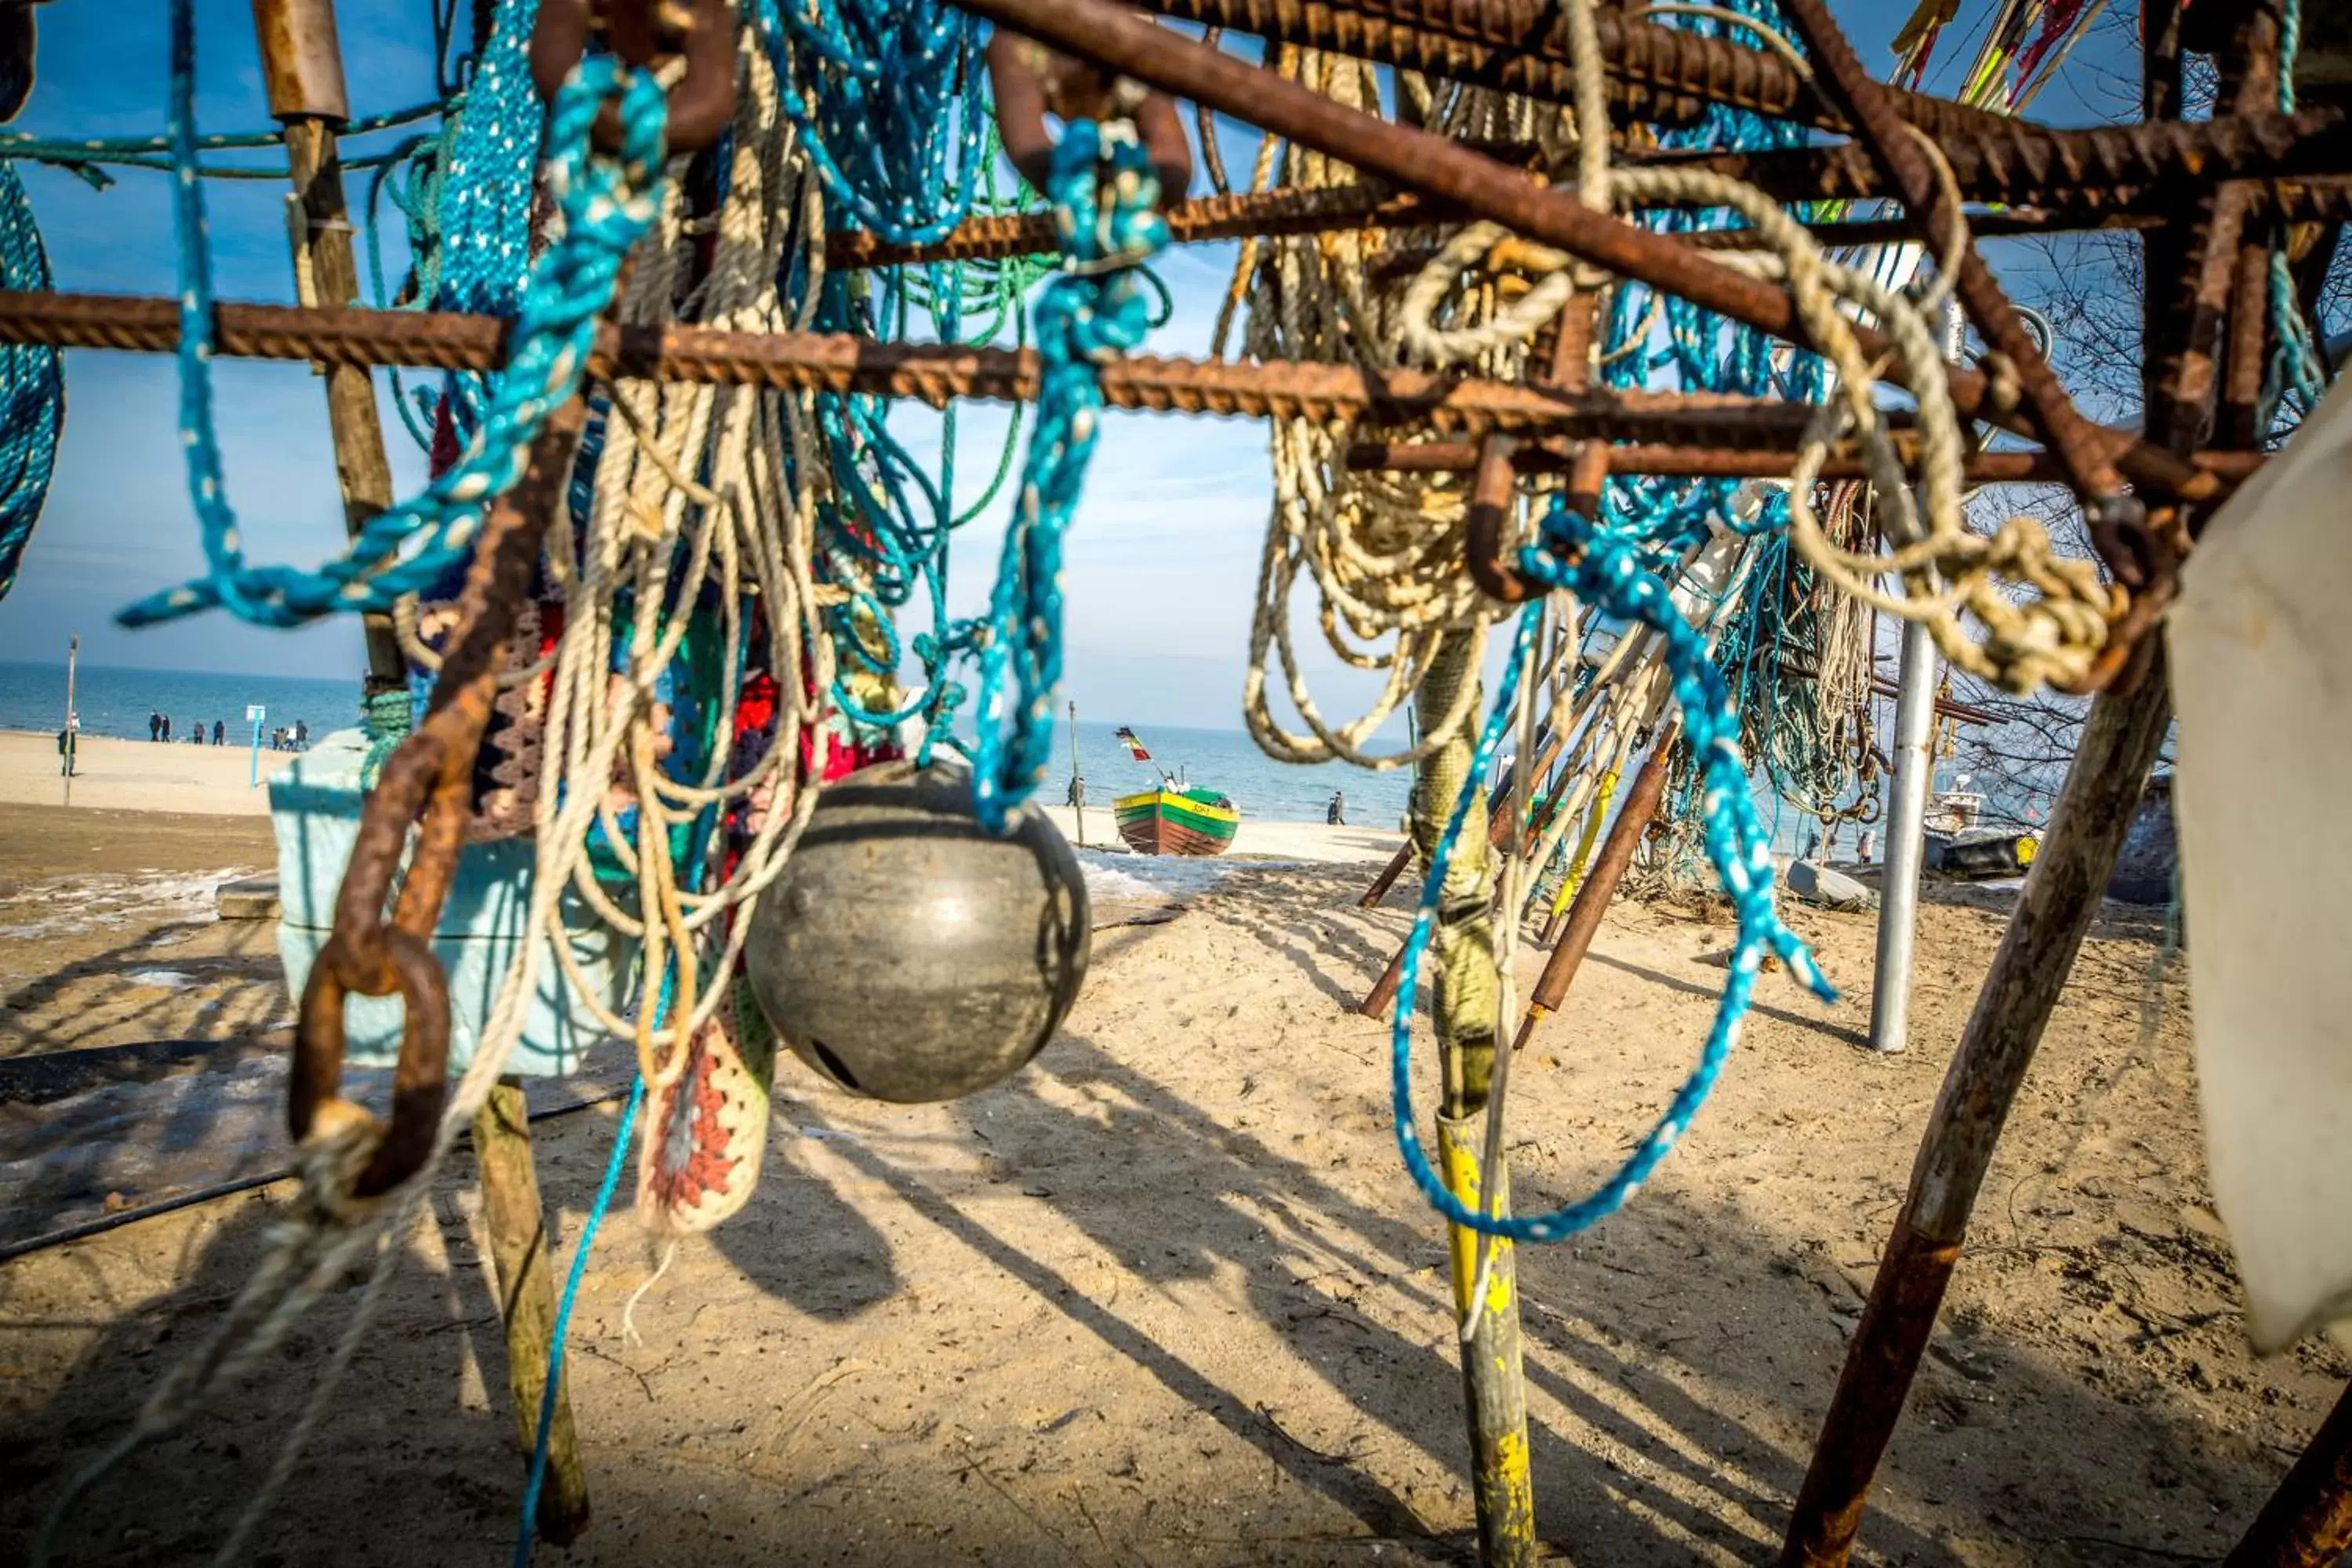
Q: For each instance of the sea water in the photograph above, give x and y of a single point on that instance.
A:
(113, 702)
(116, 701)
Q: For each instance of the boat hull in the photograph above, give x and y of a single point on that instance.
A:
(1165, 822)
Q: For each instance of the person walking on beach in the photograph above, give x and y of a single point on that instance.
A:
(1077, 796)
(198, 738)
(165, 720)
(154, 725)
(220, 731)
(301, 734)
(65, 748)
(1335, 814)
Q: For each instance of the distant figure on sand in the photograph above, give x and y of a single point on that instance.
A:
(1335, 814)
(1077, 793)
(220, 732)
(301, 734)
(198, 738)
(66, 750)
(154, 725)
(166, 722)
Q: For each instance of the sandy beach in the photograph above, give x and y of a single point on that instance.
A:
(1168, 1296)
(213, 781)
(136, 775)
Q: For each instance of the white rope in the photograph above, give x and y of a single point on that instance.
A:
(658, 541)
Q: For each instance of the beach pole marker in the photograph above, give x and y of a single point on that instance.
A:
(254, 712)
(73, 724)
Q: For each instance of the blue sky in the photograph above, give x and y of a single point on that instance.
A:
(1162, 560)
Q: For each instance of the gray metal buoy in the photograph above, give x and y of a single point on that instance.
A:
(905, 954)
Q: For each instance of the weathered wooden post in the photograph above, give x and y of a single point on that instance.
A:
(302, 64)
(301, 59)
(1464, 1014)
(2061, 894)
(517, 1226)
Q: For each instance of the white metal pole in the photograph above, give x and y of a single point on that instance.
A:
(1907, 843)
(1906, 813)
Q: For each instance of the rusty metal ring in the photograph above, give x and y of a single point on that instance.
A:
(646, 34)
(420, 1080)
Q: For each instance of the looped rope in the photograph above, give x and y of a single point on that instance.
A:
(1106, 219)
(1605, 571)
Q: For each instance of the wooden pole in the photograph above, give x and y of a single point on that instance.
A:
(2307, 1523)
(302, 66)
(1499, 833)
(1462, 1013)
(517, 1226)
(1574, 881)
(2120, 740)
(1592, 902)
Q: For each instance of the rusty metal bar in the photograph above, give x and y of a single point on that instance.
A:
(934, 374)
(1657, 73)
(1584, 916)
(2307, 1522)
(2098, 168)
(1896, 147)
(1553, 454)
(1112, 35)
(2087, 178)
(2061, 894)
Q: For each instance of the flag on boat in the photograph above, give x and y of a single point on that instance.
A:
(1134, 745)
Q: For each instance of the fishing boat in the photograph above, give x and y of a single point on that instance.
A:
(1175, 818)
(1170, 820)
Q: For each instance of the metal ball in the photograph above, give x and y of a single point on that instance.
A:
(905, 953)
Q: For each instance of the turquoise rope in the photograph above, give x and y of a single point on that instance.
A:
(2295, 365)
(886, 95)
(1106, 208)
(1605, 569)
(607, 204)
(32, 388)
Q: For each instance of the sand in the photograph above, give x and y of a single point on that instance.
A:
(136, 775)
(1169, 1297)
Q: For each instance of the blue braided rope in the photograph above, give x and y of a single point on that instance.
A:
(1106, 207)
(887, 97)
(2295, 365)
(1606, 571)
(485, 211)
(32, 388)
(607, 204)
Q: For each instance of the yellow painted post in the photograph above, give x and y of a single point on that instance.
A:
(1494, 1382)
(1568, 884)
(1464, 1012)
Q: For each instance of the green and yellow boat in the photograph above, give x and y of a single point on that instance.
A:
(1172, 821)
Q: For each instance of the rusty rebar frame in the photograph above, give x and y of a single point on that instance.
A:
(1655, 73)
(2078, 178)
(933, 373)
(1120, 40)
